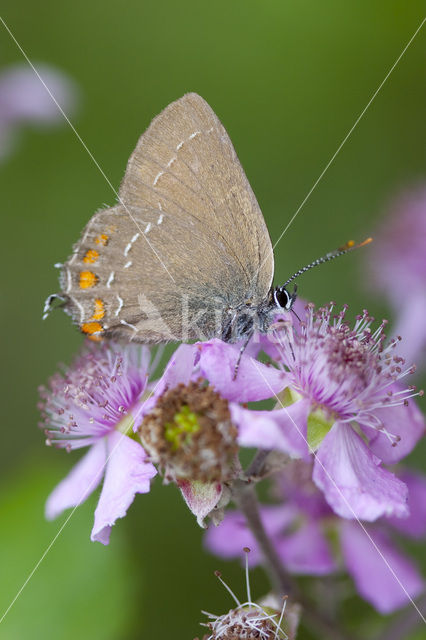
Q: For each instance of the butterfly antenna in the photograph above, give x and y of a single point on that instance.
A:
(349, 246)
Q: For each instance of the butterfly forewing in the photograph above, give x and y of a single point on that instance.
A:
(187, 238)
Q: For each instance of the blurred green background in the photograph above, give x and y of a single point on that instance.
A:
(288, 80)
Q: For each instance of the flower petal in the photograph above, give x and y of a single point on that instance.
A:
(82, 480)
(282, 429)
(201, 497)
(178, 370)
(407, 422)
(415, 525)
(24, 97)
(127, 473)
(306, 551)
(411, 326)
(383, 576)
(254, 381)
(354, 484)
(229, 538)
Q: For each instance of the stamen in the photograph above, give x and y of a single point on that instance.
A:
(281, 617)
(229, 590)
(345, 372)
(247, 551)
(190, 435)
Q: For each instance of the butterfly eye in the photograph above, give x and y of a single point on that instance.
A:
(282, 298)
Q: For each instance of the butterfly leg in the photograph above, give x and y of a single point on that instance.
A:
(240, 355)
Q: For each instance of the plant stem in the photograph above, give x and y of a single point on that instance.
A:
(257, 463)
(244, 495)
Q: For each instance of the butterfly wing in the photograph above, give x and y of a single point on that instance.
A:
(186, 242)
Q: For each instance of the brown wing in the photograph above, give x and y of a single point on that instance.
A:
(187, 239)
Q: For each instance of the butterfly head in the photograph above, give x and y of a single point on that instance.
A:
(283, 299)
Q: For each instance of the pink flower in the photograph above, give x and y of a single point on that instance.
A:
(301, 528)
(202, 466)
(96, 403)
(25, 100)
(398, 269)
(344, 383)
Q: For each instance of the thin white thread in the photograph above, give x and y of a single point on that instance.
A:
(82, 498)
(84, 144)
(339, 148)
(342, 496)
(123, 322)
(128, 264)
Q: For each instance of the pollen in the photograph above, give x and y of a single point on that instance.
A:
(190, 434)
(185, 422)
(91, 328)
(102, 239)
(87, 279)
(91, 256)
(99, 310)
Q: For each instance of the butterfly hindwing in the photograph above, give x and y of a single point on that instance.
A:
(187, 239)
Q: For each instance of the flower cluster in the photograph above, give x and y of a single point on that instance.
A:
(311, 540)
(338, 397)
(341, 416)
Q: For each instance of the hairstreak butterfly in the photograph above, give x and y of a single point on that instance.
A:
(185, 254)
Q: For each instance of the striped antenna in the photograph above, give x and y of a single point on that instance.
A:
(349, 246)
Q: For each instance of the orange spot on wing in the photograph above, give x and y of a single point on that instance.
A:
(91, 256)
(90, 328)
(102, 239)
(87, 279)
(99, 310)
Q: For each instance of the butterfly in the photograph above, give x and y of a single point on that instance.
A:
(185, 254)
